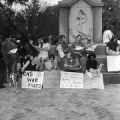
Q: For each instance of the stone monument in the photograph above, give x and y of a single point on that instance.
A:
(81, 17)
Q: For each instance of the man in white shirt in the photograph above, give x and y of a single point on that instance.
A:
(107, 35)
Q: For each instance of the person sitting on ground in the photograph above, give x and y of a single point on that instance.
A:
(112, 46)
(43, 54)
(29, 65)
(78, 40)
(72, 63)
(92, 64)
(77, 64)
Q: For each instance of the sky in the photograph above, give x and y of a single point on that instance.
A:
(53, 1)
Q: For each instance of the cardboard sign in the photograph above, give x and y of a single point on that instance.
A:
(71, 80)
(93, 82)
(113, 63)
(32, 79)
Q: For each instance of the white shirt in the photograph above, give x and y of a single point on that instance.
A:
(60, 51)
(107, 35)
(44, 53)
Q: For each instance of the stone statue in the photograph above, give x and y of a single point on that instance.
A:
(82, 19)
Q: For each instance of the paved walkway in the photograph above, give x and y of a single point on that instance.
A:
(61, 104)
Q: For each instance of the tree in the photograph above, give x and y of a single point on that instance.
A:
(10, 2)
(36, 19)
(111, 16)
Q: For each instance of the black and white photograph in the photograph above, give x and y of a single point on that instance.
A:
(59, 59)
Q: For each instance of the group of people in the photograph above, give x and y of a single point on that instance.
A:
(42, 55)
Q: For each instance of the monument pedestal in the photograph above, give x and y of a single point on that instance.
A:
(52, 79)
(81, 17)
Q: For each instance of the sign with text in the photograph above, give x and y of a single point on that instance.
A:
(71, 80)
(32, 79)
(93, 82)
(113, 63)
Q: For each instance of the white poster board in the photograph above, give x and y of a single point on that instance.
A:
(32, 79)
(113, 63)
(71, 80)
(93, 82)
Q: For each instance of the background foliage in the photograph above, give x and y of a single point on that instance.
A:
(39, 18)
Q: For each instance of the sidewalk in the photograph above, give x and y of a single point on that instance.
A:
(61, 104)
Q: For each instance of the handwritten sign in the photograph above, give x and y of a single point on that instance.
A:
(113, 63)
(71, 80)
(93, 82)
(32, 79)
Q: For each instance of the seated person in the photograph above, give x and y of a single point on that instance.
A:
(43, 54)
(92, 68)
(91, 63)
(48, 64)
(112, 47)
(78, 41)
(72, 62)
(29, 65)
(107, 36)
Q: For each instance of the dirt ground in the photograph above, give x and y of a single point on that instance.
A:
(61, 104)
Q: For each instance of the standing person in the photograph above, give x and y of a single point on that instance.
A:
(61, 48)
(2, 69)
(22, 52)
(11, 59)
(64, 43)
(52, 51)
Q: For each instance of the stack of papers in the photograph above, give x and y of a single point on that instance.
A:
(13, 50)
(79, 48)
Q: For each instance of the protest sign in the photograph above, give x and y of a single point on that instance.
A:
(71, 80)
(32, 79)
(95, 81)
(113, 63)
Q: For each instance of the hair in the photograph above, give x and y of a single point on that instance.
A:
(61, 36)
(79, 36)
(92, 54)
